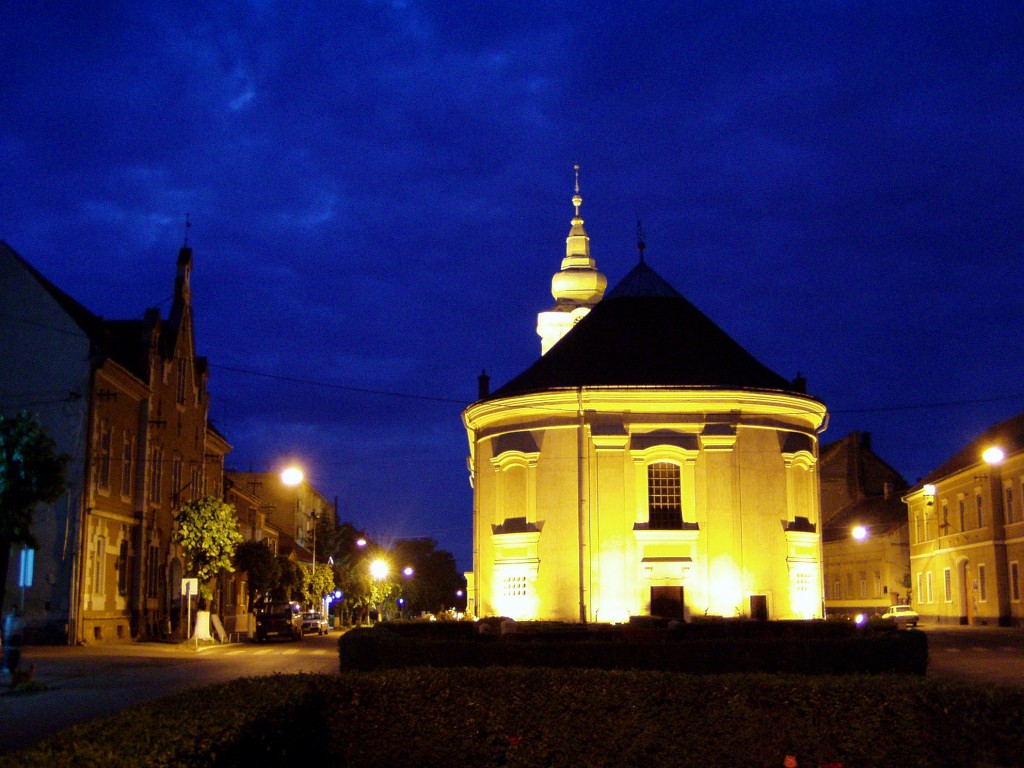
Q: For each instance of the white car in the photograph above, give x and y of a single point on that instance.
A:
(902, 614)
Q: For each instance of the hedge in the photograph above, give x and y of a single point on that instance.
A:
(784, 648)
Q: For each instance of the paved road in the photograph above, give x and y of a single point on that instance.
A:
(991, 655)
(86, 682)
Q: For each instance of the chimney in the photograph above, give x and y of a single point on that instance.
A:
(483, 383)
(865, 441)
(887, 489)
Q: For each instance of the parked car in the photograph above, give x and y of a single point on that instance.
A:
(314, 622)
(279, 619)
(901, 614)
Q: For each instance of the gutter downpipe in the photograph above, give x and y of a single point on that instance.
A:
(581, 490)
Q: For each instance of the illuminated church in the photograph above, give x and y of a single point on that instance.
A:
(645, 464)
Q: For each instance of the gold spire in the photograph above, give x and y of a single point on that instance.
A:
(579, 281)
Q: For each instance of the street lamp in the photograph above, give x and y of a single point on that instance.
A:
(993, 455)
(860, 532)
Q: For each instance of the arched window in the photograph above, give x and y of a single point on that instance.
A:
(664, 496)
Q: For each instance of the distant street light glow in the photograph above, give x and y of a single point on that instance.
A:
(860, 532)
(379, 569)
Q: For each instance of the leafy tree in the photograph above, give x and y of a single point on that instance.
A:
(436, 578)
(261, 567)
(288, 588)
(31, 472)
(208, 532)
(315, 585)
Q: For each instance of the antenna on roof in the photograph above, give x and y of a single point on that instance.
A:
(188, 226)
(640, 244)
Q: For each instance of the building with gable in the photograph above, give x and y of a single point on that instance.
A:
(645, 464)
(866, 546)
(967, 532)
(127, 401)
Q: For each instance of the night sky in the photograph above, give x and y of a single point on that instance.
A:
(380, 193)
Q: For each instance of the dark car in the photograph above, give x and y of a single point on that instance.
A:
(279, 620)
(314, 622)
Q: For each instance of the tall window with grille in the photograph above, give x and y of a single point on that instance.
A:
(127, 449)
(982, 586)
(947, 585)
(1009, 504)
(103, 459)
(153, 571)
(664, 496)
(156, 473)
(980, 505)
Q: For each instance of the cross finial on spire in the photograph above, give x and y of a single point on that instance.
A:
(640, 244)
(576, 199)
(188, 226)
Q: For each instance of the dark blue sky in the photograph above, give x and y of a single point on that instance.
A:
(380, 194)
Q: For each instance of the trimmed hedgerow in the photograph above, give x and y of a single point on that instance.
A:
(810, 649)
(551, 717)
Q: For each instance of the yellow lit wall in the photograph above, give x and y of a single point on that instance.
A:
(560, 500)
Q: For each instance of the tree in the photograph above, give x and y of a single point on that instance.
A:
(436, 580)
(31, 472)
(261, 567)
(207, 530)
(315, 585)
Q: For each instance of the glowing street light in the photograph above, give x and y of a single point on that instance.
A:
(408, 570)
(860, 532)
(379, 569)
(993, 455)
(292, 476)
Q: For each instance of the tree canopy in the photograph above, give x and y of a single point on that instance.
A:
(261, 566)
(207, 531)
(31, 472)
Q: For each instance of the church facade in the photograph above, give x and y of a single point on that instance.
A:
(645, 464)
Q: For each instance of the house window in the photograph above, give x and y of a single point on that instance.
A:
(156, 473)
(920, 591)
(514, 587)
(928, 581)
(1014, 582)
(863, 584)
(977, 502)
(197, 483)
(917, 529)
(837, 590)
(99, 573)
(122, 569)
(103, 474)
(126, 467)
(1009, 504)
(176, 484)
(947, 585)
(945, 518)
(878, 584)
(849, 585)
(963, 513)
(664, 496)
(182, 371)
(982, 588)
(153, 571)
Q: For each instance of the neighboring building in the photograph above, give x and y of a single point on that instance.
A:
(967, 532)
(866, 550)
(645, 464)
(290, 510)
(127, 401)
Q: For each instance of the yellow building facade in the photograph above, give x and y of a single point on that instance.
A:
(967, 532)
(645, 465)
